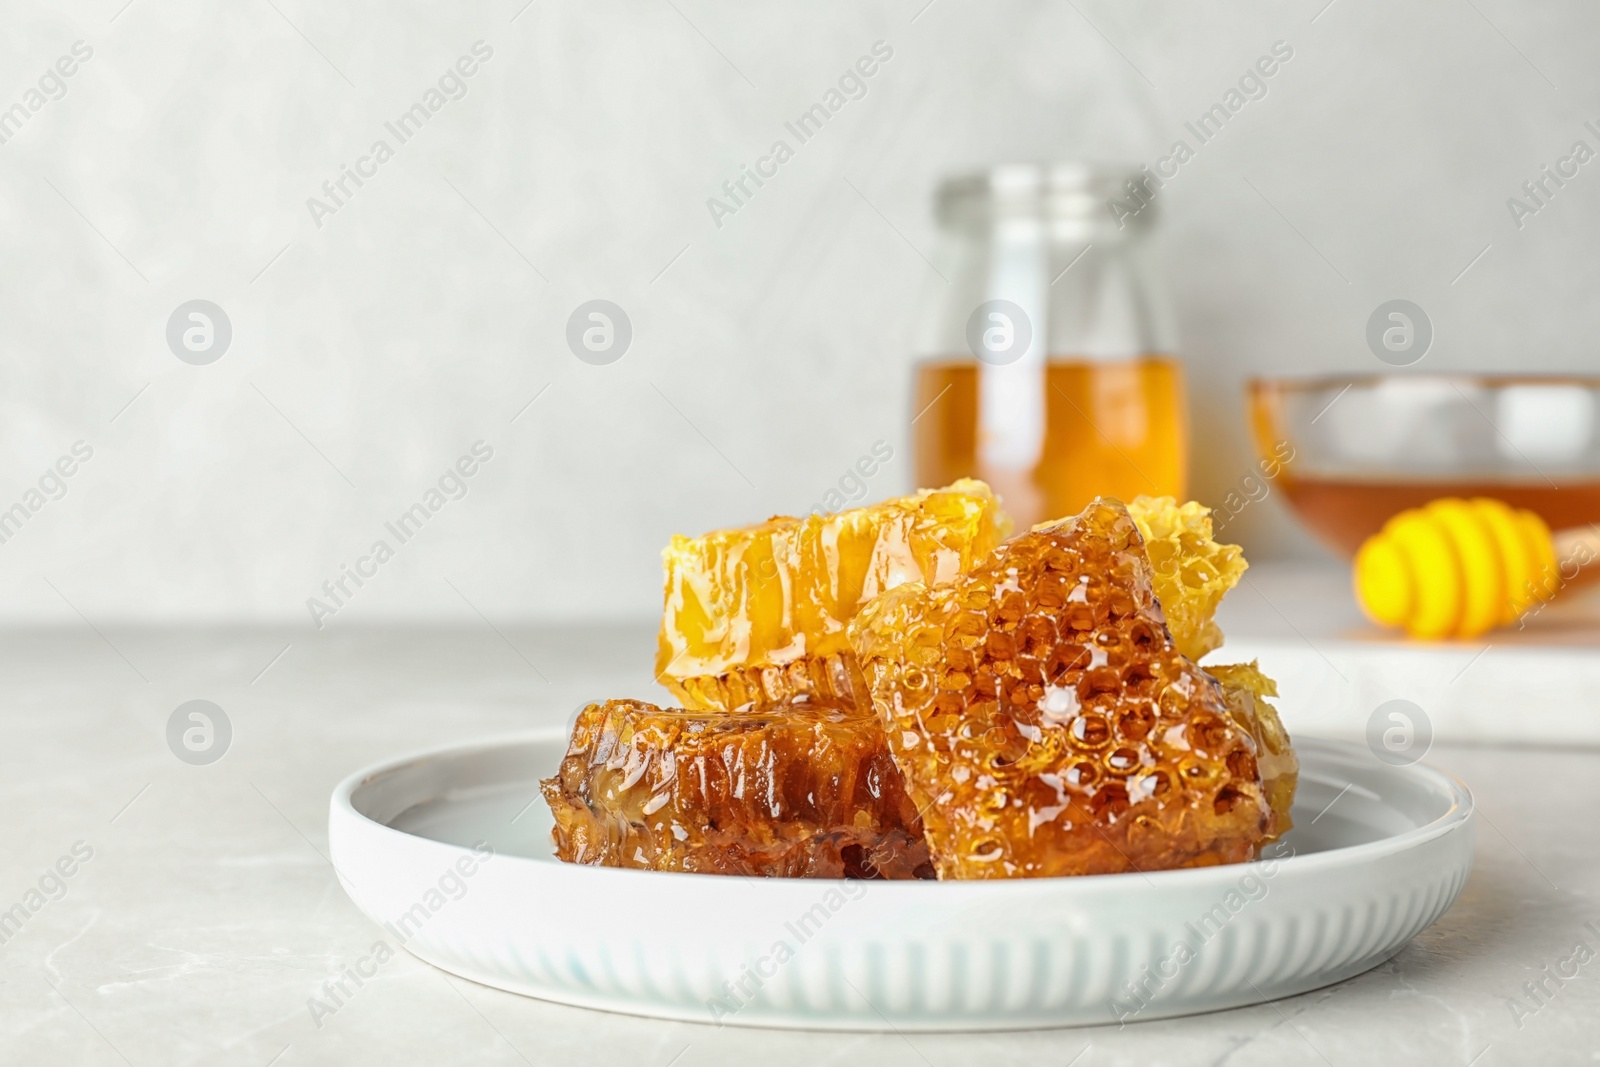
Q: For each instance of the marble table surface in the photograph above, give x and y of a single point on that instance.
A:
(166, 913)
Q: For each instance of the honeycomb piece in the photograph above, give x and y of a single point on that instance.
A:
(1192, 571)
(806, 792)
(1047, 724)
(1246, 690)
(756, 616)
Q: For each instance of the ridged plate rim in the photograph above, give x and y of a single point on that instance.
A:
(484, 940)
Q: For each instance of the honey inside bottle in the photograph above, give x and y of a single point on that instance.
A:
(1113, 428)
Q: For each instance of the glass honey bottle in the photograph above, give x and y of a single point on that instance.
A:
(1046, 365)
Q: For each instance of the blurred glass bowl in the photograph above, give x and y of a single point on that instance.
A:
(1365, 448)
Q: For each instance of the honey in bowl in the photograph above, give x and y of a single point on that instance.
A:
(1364, 449)
(1347, 512)
(1114, 428)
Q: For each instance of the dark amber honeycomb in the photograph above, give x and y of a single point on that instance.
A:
(756, 616)
(806, 791)
(1046, 722)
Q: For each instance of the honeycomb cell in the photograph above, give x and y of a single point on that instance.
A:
(1246, 690)
(1127, 756)
(1191, 572)
(756, 616)
(808, 791)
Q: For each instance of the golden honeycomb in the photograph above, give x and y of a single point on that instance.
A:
(1246, 690)
(756, 616)
(1046, 722)
(808, 791)
(1191, 571)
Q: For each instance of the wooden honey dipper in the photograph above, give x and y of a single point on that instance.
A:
(1459, 568)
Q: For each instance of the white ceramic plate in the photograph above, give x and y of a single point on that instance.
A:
(1378, 853)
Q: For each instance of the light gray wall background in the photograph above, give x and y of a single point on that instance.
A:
(369, 353)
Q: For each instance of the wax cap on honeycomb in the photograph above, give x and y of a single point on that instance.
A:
(1047, 724)
(1246, 690)
(808, 791)
(1192, 572)
(757, 615)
